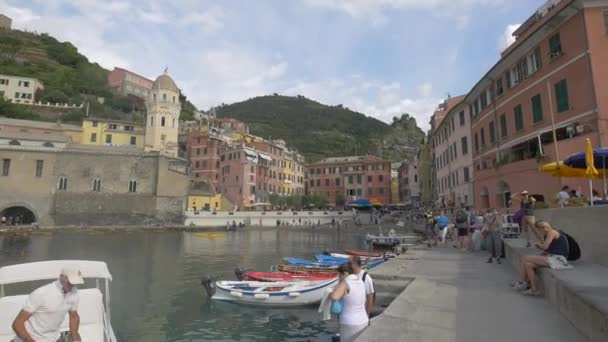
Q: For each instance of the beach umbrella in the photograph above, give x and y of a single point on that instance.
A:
(600, 161)
(558, 169)
(589, 165)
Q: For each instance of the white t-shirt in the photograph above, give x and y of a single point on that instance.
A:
(563, 197)
(369, 282)
(353, 311)
(49, 305)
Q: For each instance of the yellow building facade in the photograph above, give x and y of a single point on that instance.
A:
(112, 133)
(215, 202)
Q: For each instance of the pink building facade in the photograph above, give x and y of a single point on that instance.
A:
(354, 177)
(451, 141)
(540, 102)
(409, 182)
(126, 82)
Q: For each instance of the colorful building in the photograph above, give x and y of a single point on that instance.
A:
(353, 177)
(19, 89)
(203, 151)
(125, 82)
(451, 141)
(540, 102)
(41, 128)
(409, 182)
(162, 116)
(97, 131)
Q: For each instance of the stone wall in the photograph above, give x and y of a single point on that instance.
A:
(102, 209)
(587, 225)
(114, 170)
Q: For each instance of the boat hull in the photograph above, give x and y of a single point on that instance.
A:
(302, 297)
(276, 276)
(307, 269)
(363, 253)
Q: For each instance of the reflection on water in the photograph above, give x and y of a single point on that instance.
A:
(156, 292)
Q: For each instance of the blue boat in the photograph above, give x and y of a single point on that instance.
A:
(304, 262)
(322, 258)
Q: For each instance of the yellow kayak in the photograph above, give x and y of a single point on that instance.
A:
(209, 235)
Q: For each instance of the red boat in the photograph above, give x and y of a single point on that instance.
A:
(277, 276)
(363, 253)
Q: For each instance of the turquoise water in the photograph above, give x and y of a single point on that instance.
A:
(156, 292)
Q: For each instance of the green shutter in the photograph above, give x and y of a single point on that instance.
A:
(519, 119)
(482, 136)
(537, 109)
(503, 125)
(492, 133)
(561, 95)
(476, 143)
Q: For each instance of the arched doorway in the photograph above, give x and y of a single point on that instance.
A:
(17, 215)
(503, 194)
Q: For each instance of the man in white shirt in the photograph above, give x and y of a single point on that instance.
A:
(45, 309)
(563, 196)
(367, 280)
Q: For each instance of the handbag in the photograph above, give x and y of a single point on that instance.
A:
(336, 307)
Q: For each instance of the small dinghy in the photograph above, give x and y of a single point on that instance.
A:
(277, 294)
(307, 269)
(367, 263)
(278, 276)
(332, 262)
(363, 253)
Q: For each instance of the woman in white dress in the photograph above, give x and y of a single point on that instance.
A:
(351, 290)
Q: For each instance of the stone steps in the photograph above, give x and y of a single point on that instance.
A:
(580, 294)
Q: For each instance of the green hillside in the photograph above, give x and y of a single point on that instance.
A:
(318, 131)
(67, 75)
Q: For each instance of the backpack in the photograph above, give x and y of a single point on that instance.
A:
(574, 251)
(472, 219)
(363, 278)
(461, 217)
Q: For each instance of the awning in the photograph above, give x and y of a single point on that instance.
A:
(250, 153)
(265, 157)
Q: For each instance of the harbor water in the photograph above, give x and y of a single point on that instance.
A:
(156, 291)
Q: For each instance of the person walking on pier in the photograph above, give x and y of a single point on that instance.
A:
(370, 294)
(494, 240)
(351, 290)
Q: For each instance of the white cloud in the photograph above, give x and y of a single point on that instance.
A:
(506, 38)
(209, 21)
(231, 74)
(20, 16)
(152, 16)
(425, 89)
(371, 8)
(374, 98)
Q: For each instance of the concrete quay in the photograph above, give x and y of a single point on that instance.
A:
(457, 297)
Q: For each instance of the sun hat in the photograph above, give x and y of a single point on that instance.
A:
(73, 274)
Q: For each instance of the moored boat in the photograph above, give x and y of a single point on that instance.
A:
(335, 262)
(277, 294)
(363, 253)
(307, 269)
(279, 276)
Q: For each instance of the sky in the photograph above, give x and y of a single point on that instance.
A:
(379, 57)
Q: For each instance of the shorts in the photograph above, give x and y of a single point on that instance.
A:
(462, 232)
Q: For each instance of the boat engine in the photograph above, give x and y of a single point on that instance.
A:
(238, 272)
(209, 284)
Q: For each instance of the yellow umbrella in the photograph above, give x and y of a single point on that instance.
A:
(558, 169)
(591, 171)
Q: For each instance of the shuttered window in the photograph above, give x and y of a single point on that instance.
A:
(519, 118)
(503, 125)
(561, 95)
(537, 109)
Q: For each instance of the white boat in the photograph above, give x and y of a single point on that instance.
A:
(390, 238)
(278, 294)
(93, 309)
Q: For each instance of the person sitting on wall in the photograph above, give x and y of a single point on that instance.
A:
(554, 255)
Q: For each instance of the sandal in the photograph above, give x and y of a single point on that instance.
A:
(530, 292)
